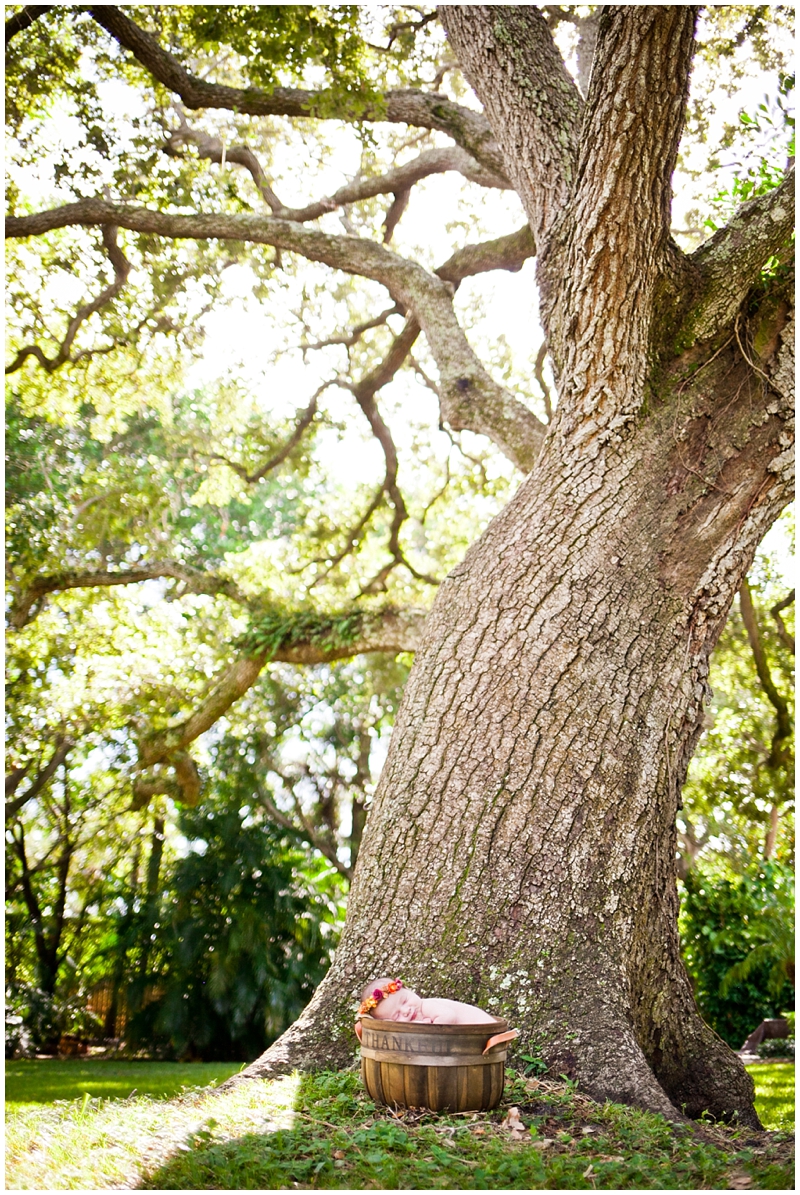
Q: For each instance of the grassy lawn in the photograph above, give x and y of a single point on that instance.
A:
(322, 1132)
(774, 1093)
(44, 1081)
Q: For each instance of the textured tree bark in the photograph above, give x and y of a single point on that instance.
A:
(520, 850)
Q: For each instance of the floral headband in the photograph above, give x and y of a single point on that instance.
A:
(378, 994)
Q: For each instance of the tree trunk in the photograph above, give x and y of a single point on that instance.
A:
(152, 893)
(111, 1018)
(520, 851)
(47, 938)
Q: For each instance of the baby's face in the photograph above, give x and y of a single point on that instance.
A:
(404, 1005)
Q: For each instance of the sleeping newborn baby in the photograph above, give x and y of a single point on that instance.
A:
(388, 1000)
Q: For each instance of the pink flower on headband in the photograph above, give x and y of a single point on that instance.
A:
(378, 994)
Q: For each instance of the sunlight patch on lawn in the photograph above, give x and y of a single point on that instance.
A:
(87, 1144)
(775, 1095)
(44, 1081)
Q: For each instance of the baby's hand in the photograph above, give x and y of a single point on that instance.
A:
(409, 1013)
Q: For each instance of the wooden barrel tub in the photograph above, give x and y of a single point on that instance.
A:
(441, 1067)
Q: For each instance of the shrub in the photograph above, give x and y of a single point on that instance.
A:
(36, 1020)
(725, 921)
(777, 1047)
(241, 942)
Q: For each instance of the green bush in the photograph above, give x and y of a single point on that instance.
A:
(777, 1047)
(241, 942)
(727, 921)
(36, 1020)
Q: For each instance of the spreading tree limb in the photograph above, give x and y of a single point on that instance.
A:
(307, 640)
(28, 602)
(397, 181)
(122, 268)
(467, 390)
(422, 109)
(24, 19)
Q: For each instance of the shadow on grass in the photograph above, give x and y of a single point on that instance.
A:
(331, 1136)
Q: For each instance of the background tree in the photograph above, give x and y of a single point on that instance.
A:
(526, 813)
(738, 801)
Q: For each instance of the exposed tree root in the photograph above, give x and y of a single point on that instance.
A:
(703, 1075)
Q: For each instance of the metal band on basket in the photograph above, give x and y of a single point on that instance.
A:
(433, 1059)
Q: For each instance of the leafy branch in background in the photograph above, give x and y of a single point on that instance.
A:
(774, 135)
(276, 630)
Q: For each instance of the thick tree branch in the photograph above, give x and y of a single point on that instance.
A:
(24, 19)
(508, 54)
(430, 111)
(122, 268)
(730, 262)
(470, 396)
(387, 631)
(63, 747)
(786, 639)
(399, 180)
(509, 252)
(195, 581)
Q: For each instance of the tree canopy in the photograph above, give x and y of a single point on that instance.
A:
(129, 464)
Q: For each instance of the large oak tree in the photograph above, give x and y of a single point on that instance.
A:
(520, 850)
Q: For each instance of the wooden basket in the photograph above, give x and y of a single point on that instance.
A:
(441, 1067)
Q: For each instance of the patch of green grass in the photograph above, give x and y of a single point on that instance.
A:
(92, 1144)
(322, 1132)
(42, 1081)
(774, 1093)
